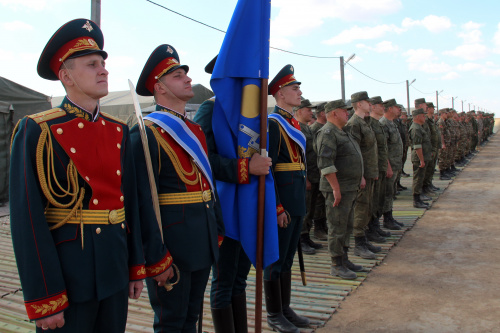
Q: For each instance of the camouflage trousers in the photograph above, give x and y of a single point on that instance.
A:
(429, 170)
(389, 192)
(443, 158)
(340, 221)
(378, 195)
(363, 208)
(418, 177)
(315, 206)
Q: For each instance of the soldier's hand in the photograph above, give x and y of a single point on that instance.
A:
(444, 146)
(52, 322)
(135, 288)
(259, 165)
(389, 173)
(163, 277)
(337, 196)
(308, 185)
(363, 183)
(282, 220)
(422, 164)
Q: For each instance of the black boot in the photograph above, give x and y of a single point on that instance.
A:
(427, 190)
(394, 220)
(372, 234)
(443, 175)
(275, 318)
(310, 242)
(306, 248)
(454, 169)
(372, 248)
(320, 229)
(401, 187)
(389, 223)
(434, 187)
(376, 226)
(361, 250)
(424, 197)
(239, 304)
(223, 320)
(349, 264)
(286, 291)
(340, 270)
(417, 203)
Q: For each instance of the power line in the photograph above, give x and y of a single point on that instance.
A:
(425, 93)
(374, 78)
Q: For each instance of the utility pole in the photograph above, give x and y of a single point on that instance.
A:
(342, 79)
(408, 94)
(95, 11)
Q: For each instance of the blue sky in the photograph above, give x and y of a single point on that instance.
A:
(444, 45)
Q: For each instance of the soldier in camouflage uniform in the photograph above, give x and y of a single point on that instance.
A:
(359, 127)
(421, 103)
(374, 232)
(341, 165)
(444, 152)
(403, 132)
(303, 114)
(452, 171)
(395, 153)
(428, 187)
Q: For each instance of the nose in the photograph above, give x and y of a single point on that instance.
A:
(103, 71)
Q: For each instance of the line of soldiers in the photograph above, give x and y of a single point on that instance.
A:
(86, 233)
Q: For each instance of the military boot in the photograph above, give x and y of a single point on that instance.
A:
(427, 190)
(417, 203)
(361, 250)
(401, 187)
(372, 248)
(434, 188)
(389, 223)
(223, 320)
(443, 175)
(304, 244)
(424, 197)
(286, 294)
(275, 318)
(239, 304)
(376, 226)
(396, 222)
(340, 270)
(372, 234)
(349, 264)
(320, 229)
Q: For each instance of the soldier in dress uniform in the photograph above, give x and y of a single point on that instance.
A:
(74, 210)
(341, 165)
(229, 273)
(303, 114)
(359, 127)
(190, 212)
(421, 150)
(287, 147)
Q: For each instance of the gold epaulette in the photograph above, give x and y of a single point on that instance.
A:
(44, 116)
(107, 115)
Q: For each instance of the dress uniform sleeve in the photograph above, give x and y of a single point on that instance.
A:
(157, 256)
(135, 248)
(274, 147)
(43, 284)
(230, 170)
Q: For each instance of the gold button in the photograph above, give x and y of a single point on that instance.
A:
(73, 150)
(98, 231)
(113, 217)
(162, 130)
(80, 125)
(122, 198)
(59, 131)
(118, 172)
(119, 129)
(103, 122)
(205, 185)
(200, 129)
(118, 145)
(95, 202)
(123, 226)
(87, 178)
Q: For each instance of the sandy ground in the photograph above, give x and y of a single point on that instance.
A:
(444, 274)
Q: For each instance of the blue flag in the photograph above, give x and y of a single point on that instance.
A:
(236, 81)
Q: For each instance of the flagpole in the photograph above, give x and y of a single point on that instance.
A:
(260, 208)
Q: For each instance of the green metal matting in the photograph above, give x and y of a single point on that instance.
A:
(318, 300)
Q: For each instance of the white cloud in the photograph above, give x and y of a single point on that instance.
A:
(469, 66)
(471, 37)
(280, 42)
(18, 4)
(432, 23)
(382, 47)
(496, 40)
(424, 60)
(16, 26)
(362, 33)
(299, 18)
(469, 51)
(451, 76)
(469, 26)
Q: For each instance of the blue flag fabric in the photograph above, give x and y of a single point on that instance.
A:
(242, 61)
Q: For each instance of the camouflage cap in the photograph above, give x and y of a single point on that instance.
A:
(416, 112)
(401, 107)
(390, 102)
(430, 104)
(320, 107)
(333, 105)
(419, 101)
(375, 100)
(305, 103)
(359, 96)
(444, 110)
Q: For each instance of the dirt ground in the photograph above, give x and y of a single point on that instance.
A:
(444, 274)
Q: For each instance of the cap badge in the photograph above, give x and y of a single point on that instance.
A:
(169, 50)
(88, 26)
(291, 68)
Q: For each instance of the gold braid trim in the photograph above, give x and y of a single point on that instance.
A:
(14, 134)
(47, 178)
(175, 160)
(293, 157)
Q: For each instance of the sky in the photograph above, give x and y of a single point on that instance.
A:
(448, 47)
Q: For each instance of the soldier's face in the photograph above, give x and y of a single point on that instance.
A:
(88, 76)
(291, 94)
(306, 114)
(178, 84)
(377, 109)
(342, 115)
(430, 111)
